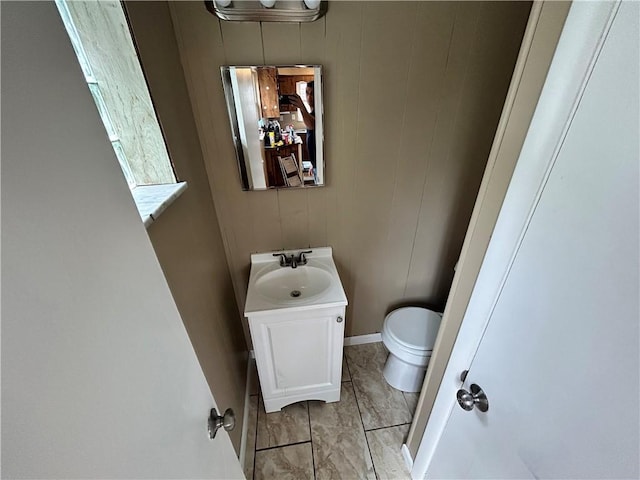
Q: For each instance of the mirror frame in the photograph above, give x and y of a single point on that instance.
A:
(225, 71)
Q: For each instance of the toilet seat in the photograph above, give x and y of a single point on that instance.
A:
(413, 327)
(409, 333)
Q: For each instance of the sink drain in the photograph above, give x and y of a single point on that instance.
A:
(295, 293)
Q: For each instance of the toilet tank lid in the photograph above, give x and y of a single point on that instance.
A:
(413, 327)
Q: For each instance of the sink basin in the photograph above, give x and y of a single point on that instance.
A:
(273, 287)
(293, 285)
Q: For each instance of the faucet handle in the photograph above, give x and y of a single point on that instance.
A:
(302, 259)
(283, 259)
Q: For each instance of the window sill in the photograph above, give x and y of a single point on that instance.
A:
(152, 200)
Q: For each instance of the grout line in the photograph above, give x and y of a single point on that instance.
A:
(346, 364)
(388, 426)
(373, 463)
(355, 395)
(282, 446)
(313, 458)
(408, 406)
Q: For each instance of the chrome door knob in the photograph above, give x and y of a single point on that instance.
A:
(226, 421)
(475, 398)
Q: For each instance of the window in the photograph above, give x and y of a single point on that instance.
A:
(100, 36)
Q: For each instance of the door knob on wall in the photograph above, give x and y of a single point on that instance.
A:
(227, 421)
(475, 398)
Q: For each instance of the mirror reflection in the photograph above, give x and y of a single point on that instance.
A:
(276, 122)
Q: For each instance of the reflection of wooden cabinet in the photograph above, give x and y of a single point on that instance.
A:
(268, 86)
(287, 86)
(272, 167)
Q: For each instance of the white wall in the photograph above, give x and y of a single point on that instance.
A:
(99, 379)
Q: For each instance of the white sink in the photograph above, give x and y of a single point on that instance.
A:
(273, 287)
(293, 285)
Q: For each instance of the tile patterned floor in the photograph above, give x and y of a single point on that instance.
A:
(358, 437)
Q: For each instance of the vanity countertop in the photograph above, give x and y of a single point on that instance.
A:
(320, 267)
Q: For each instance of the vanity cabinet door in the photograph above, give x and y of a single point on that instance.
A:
(299, 355)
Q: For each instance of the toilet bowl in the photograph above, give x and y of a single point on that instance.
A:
(409, 334)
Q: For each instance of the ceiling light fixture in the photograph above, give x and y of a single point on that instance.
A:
(268, 10)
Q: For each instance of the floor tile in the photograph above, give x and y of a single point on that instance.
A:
(359, 437)
(290, 425)
(385, 445)
(380, 404)
(250, 449)
(339, 443)
(345, 370)
(294, 462)
(412, 401)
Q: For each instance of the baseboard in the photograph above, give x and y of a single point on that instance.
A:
(348, 341)
(245, 414)
(362, 339)
(406, 455)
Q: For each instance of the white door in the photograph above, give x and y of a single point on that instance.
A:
(99, 379)
(559, 358)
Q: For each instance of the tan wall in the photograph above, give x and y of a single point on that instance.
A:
(186, 236)
(399, 196)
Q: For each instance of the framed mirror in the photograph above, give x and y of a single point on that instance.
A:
(276, 124)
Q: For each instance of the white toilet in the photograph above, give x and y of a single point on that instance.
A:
(409, 334)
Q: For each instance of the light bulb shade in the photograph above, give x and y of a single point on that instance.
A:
(268, 3)
(222, 3)
(312, 4)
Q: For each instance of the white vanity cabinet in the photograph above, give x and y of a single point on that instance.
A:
(295, 306)
(298, 355)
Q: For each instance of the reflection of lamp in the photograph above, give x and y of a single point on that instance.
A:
(222, 3)
(312, 4)
(268, 3)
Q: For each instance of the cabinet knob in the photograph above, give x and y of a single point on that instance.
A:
(339, 319)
